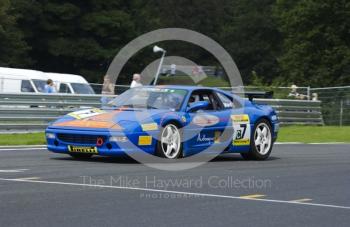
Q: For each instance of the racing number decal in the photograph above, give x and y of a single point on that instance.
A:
(241, 132)
(241, 125)
(81, 114)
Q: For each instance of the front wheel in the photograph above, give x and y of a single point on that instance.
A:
(261, 141)
(169, 144)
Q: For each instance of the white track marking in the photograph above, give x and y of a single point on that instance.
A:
(301, 200)
(12, 170)
(28, 178)
(253, 196)
(178, 192)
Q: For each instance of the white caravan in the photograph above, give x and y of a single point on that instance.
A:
(70, 83)
(33, 81)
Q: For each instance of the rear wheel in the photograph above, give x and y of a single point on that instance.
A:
(81, 156)
(261, 141)
(169, 144)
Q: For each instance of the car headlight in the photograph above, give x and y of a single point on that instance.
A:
(118, 139)
(50, 135)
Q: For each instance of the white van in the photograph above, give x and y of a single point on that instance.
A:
(33, 81)
(70, 83)
(21, 80)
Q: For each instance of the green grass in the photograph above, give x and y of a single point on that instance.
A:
(314, 134)
(303, 134)
(22, 139)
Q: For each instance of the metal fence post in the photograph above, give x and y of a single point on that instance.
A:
(308, 93)
(341, 113)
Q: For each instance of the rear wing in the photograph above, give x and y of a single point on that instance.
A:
(256, 94)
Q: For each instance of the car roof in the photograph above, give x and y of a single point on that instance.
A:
(22, 73)
(66, 78)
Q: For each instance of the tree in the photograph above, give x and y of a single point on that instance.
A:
(13, 49)
(316, 41)
(75, 36)
(250, 34)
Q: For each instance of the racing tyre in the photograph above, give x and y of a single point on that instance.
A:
(261, 141)
(169, 143)
(81, 156)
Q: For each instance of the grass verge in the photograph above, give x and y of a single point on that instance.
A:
(314, 134)
(22, 139)
(303, 134)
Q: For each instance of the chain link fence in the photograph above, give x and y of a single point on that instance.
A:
(335, 104)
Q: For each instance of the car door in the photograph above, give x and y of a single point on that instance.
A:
(206, 126)
(240, 121)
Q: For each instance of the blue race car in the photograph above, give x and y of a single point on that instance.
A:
(170, 122)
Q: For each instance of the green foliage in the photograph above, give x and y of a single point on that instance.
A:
(316, 41)
(250, 34)
(13, 49)
(273, 42)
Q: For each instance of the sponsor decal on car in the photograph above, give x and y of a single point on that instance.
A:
(145, 140)
(241, 118)
(89, 150)
(149, 127)
(205, 120)
(242, 142)
(204, 138)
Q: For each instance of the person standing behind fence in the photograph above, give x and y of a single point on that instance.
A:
(136, 81)
(50, 87)
(172, 69)
(107, 91)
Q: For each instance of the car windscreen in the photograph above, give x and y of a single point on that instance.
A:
(151, 98)
(79, 88)
(40, 85)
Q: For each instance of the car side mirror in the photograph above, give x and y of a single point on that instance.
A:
(201, 105)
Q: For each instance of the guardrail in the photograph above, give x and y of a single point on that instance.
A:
(33, 112)
(296, 112)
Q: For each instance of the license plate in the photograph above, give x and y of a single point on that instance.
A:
(89, 150)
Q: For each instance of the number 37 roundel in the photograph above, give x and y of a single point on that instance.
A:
(241, 125)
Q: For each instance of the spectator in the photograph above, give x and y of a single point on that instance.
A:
(172, 69)
(294, 93)
(107, 91)
(136, 81)
(50, 87)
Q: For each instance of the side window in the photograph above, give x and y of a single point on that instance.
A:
(226, 101)
(205, 95)
(64, 88)
(26, 86)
